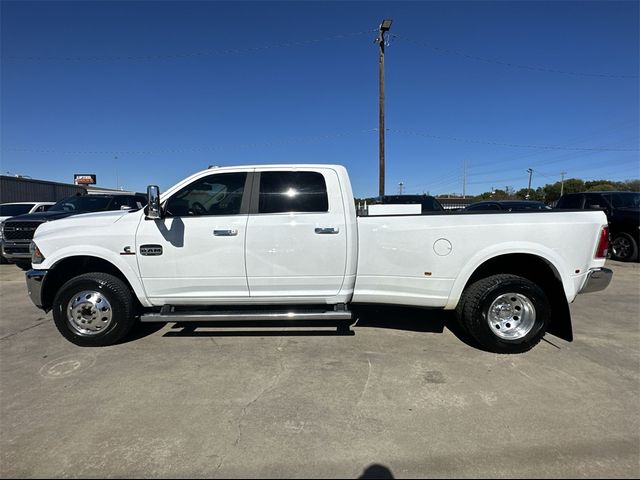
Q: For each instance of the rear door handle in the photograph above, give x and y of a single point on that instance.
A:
(327, 230)
(226, 233)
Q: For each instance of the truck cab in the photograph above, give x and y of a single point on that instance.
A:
(271, 233)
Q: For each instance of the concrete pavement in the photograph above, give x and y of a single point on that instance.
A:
(404, 393)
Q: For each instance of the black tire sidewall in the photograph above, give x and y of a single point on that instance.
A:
(122, 317)
(476, 313)
(633, 244)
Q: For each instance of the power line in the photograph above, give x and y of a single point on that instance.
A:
(169, 56)
(617, 128)
(287, 141)
(514, 145)
(459, 53)
(447, 179)
(553, 178)
(512, 179)
(116, 151)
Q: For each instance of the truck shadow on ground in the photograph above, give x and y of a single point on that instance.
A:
(376, 470)
(379, 317)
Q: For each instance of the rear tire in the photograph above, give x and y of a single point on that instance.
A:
(94, 310)
(624, 248)
(505, 313)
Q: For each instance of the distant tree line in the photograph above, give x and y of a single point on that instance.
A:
(550, 192)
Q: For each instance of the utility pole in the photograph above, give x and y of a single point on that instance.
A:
(400, 187)
(464, 179)
(115, 164)
(562, 174)
(384, 27)
(530, 170)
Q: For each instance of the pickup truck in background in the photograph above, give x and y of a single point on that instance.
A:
(17, 232)
(8, 210)
(623, 213)
(284, 242)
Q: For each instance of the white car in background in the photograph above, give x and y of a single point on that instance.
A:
(8, 210)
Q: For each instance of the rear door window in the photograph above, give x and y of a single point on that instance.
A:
(283, 192)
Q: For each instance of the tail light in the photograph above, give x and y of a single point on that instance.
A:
(603, 243)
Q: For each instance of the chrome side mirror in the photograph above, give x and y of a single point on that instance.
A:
(153, 209)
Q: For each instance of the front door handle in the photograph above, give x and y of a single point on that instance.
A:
(226, 233)
(327, 230)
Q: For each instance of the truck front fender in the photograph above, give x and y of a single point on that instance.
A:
(126, 264)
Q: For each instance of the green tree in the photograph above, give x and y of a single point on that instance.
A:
(601, 187)
(573, 185)
(551, 192)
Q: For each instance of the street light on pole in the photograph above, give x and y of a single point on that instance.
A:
(384, 28)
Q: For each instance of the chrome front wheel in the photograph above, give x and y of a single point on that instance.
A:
(89, 313)
(94, 309)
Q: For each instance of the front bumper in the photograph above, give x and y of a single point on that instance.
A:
(16, 250)
(597, 279)
(35, 283)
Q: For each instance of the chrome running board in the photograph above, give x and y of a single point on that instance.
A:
(169, 315)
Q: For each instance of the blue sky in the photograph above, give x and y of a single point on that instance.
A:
(171, 87)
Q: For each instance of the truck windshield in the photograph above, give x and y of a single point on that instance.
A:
(624, 199)
(13, 209)
(85, 203)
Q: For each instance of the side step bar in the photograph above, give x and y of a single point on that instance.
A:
(168, 315)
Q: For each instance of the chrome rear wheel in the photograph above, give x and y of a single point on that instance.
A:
(511, 316)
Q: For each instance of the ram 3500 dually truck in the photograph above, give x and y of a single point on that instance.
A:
(284, 242)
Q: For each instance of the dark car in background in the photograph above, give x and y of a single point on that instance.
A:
(18, 231)
(623, 213)
(507, 206)
(427, 202)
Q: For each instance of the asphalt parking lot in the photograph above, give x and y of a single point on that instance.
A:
(402, 396)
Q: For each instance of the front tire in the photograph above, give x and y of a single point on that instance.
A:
(624, 248)
(94, 310)
(505, 313)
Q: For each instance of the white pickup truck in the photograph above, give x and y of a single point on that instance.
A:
(284, 242)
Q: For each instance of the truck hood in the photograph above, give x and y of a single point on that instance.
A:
(97, 219)
(42, 216)
(49, 216)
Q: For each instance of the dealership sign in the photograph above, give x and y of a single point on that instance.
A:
(84, 179)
